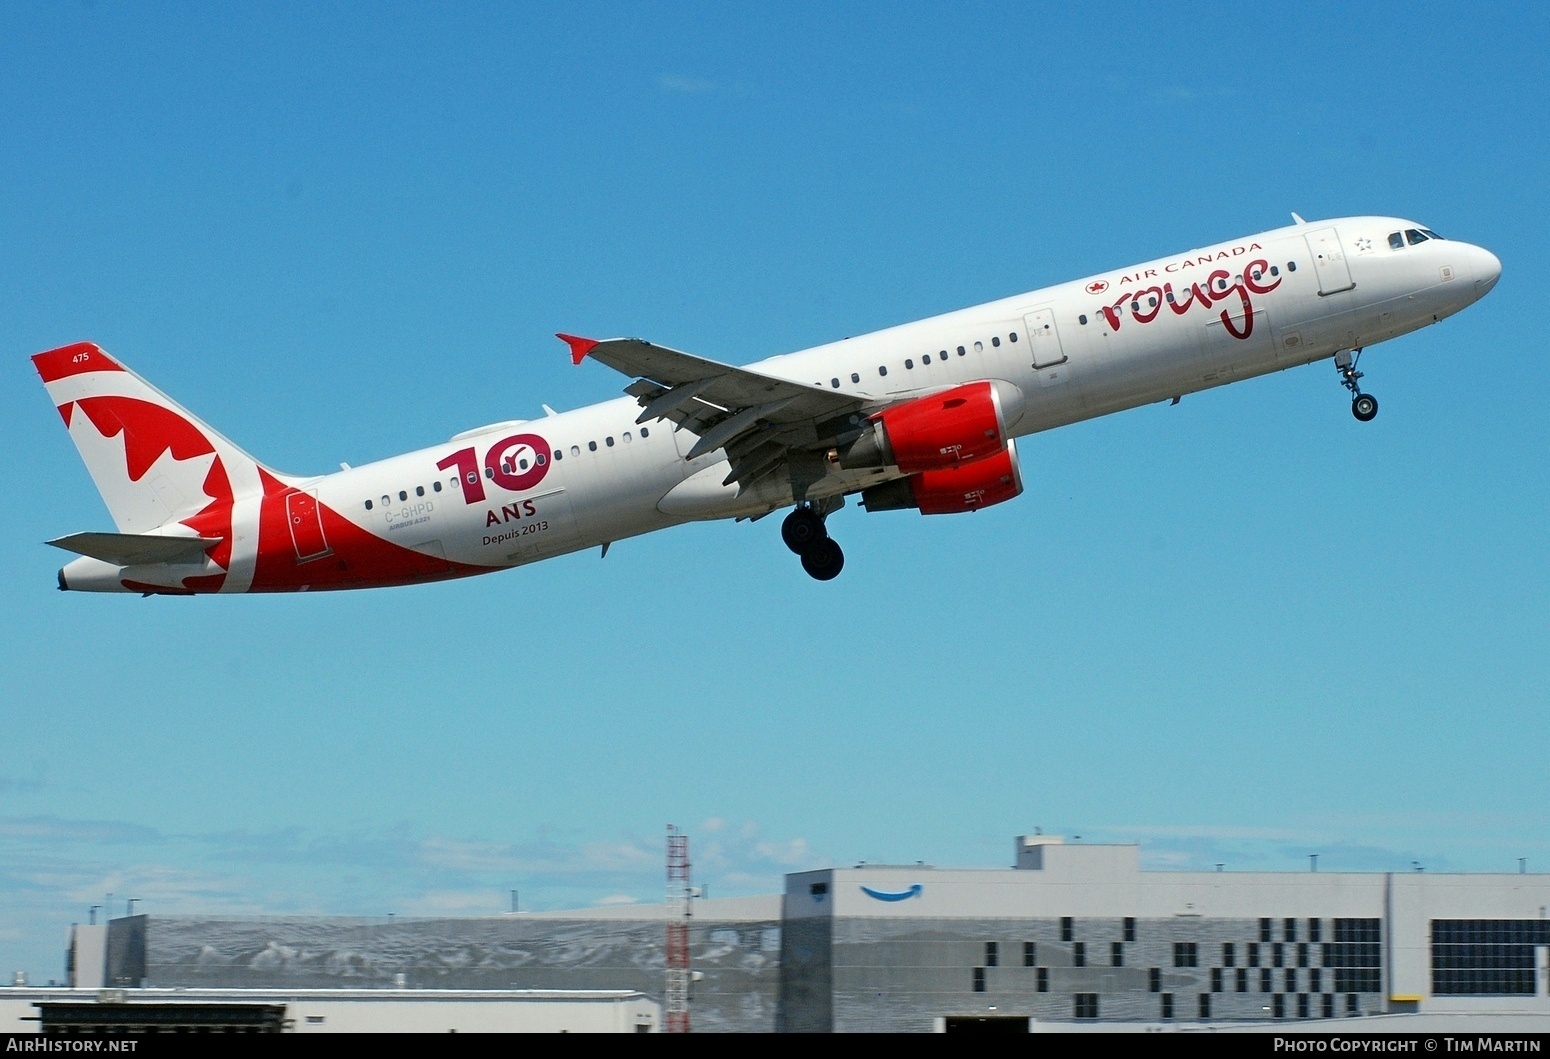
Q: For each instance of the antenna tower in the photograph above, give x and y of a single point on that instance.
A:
(680, 894)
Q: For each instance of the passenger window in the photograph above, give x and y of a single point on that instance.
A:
(995, 340)
(926, 359)
(591, 446)
(610, 442)
(558, 455)
(1082, 319)
(961, 351)
(627, 438)
(542, 459)
(1274, 271)
(521, 465)
(1414, 236)
(645, 433)
(489, 472)
(1013, 336)
(979, 347)
(436, 485)
(1169, 296)
(942, 355)
(575, 450)
(506, 466)
(419, 490)
(1396, 241)
(882, 369)
(834, 383)
(1152, 302)
(403, 494)
(909, 363)
(386, 500)
(1291, 266)
(368, 505)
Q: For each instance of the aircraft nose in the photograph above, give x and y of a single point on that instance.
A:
(1487, 268)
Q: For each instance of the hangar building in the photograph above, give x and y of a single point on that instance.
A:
(1071, 935)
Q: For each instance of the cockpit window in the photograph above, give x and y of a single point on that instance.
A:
(1415, 236)
(1430, 234)
(1396, 241)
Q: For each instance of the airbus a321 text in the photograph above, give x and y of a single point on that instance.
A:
(921, 416)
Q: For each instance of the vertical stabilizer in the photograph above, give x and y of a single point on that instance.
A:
(154, 462)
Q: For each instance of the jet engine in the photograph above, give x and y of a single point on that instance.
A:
(943, 430)
(966, 487)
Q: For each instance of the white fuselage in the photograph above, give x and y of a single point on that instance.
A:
(614, 479)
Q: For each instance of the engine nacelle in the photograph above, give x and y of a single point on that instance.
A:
(947, 429)
(967, 487)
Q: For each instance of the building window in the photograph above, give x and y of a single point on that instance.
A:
(992, 954)
(1278, 1006)
(1130, 928)
(1205, 1005)
(1030, 954)
(1154, 979)
(1116, 954)
(1086, 1005)
(1167, 1005)
(1253, 954)
(1277, 954)
(1315, 980)
(1480, 957)
(1184, 954)
(1264, 929)
(1302, 1005)
(1290, 928)
(1228, 955)
(1302, 954)
(1216, 979)
(1243, 979)
(1356, 956)
(1079, 954)
(1352, 1004)
(1065, 928)
(1264, 980)
(1315, 930)
(1328, 1007)
(1042, 978)
(979, 979)
(1291, 980)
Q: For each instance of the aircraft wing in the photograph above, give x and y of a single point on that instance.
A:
(760, 420)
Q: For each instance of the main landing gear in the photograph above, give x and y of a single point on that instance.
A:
(1364, 406)
(804, 533)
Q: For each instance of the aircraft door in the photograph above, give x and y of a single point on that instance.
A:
(301, 513)
(1044, 338)
(1329, 261)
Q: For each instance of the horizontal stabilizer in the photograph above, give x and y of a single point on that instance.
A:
(135, 549)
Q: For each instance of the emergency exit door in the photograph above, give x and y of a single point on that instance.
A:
(1329, 261)
(301, 511)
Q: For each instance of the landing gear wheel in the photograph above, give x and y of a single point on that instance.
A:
(803, 529)
(1365, 407)
(824, 560)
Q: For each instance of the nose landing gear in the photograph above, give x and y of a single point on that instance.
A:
(804, 533)
(1364, 406)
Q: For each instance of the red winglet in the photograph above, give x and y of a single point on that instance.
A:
(579, 347)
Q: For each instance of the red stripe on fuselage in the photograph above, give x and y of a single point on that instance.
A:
(357, 559)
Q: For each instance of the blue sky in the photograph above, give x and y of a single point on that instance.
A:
(1241, 630)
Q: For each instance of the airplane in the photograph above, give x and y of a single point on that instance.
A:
(922, 416)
